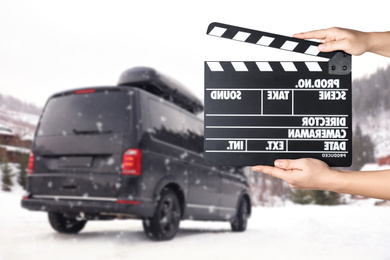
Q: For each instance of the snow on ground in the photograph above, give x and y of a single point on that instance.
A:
(360, 231)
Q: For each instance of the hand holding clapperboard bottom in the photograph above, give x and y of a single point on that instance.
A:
(260, 112)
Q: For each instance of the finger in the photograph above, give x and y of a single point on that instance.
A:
(317, 34)
(272, 171)
(334, 46)
(288, 164)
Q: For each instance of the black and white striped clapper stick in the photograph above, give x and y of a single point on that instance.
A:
(260, 111)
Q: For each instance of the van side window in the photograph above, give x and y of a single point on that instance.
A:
(193, 133)
(167, 123)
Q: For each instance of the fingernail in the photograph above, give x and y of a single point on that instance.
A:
(322, 47)
(254, 168)
(278, 163)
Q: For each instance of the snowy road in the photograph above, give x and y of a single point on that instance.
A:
(291, 232)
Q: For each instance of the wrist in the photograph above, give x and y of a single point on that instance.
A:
(373, 42)
(337, 181)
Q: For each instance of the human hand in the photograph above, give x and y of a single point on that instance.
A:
(333, 39)
(304, 174)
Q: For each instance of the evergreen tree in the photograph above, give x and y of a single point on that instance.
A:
(363, 149)
(302, 196)
(371, 94)
(6, 176)
(22, 177)
(322, 197)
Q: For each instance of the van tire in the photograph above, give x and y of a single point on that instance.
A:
(65, 225)
(241, 219)
(166, 220)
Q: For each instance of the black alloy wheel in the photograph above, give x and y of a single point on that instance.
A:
(166, 220)
(62, 224)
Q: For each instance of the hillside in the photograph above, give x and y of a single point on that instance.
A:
(15, 104)
(19, 116)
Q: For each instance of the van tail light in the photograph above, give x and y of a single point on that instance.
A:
(30, 168)
(131, 163)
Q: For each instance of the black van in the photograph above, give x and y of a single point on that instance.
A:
(130, 151)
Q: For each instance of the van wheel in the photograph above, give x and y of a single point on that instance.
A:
(65, 225)
(241, 220)
(165, 222)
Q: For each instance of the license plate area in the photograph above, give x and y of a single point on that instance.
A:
(75, 161)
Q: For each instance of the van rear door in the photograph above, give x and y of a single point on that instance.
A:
(79, 144)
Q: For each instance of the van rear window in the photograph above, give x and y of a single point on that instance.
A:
(92, 113)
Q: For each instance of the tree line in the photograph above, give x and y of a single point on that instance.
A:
(371, 95)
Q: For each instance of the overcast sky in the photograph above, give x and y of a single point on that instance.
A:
(48, 46)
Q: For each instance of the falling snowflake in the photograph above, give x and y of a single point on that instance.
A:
(184, 155)
(110, 161)
(99, 126)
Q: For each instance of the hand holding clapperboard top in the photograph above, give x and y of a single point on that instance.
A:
(287, 113)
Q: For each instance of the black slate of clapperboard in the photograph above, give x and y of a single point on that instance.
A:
(286, 110)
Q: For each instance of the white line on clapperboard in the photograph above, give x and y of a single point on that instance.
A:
(256, 151)
(270, 89)
(281, 127)
(281, 115)
(298, 89)
(273, 139)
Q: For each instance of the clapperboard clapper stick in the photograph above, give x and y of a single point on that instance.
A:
(260, 111)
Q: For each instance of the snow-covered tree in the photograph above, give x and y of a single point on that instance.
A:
(22, 175)
(363, 149)
(6, 178)
(322, 197)
(302, 196)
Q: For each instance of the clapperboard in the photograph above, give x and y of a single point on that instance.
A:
(259, 111)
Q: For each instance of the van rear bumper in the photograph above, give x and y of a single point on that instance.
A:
(140, 209)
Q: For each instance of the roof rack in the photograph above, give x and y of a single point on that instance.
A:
(161, 85)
